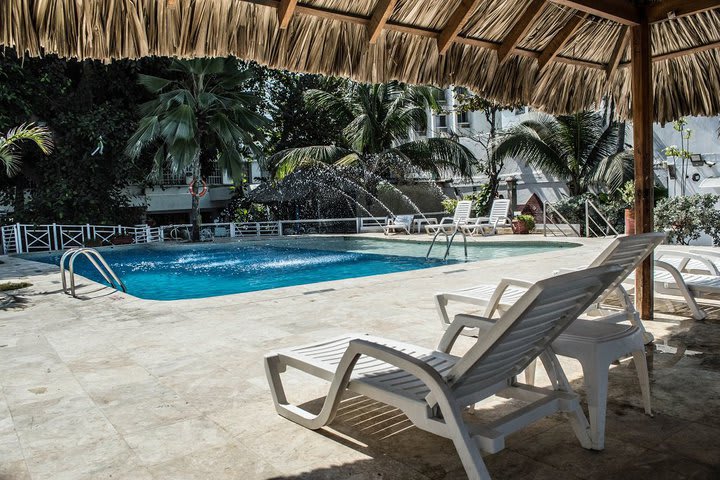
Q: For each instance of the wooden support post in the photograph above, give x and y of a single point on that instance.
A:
(642, 112)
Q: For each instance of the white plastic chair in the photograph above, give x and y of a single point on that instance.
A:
(432, 386)
(463, 210)
(594, 346)
(485, 226)
(403, 223)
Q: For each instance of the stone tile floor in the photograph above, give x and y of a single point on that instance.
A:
(110, 386)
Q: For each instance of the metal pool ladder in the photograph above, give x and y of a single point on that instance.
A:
(448, 241)
(96, 260)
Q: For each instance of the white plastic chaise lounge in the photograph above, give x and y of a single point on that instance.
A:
(693, 288)
(432, 387)
(485, 226)
(597, 339)
(402, 223)
(450, 225)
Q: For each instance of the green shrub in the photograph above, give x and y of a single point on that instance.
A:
(10, 286)
(481, 201)
(686, 218)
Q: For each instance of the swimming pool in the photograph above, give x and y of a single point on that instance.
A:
(174, 272)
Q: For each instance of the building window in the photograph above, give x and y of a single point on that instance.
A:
(441, 124)
(463, 119)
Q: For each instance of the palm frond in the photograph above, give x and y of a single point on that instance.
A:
(10, 144)
(287, 161)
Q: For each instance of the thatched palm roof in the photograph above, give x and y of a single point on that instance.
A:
(555, 55)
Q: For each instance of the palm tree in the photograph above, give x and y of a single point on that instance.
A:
(377, 120)
(579, 149)
(199, 116)
(10, 143)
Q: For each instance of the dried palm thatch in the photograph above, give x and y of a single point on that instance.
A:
(332, 37)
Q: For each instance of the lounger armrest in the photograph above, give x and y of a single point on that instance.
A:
(504, 284)
(424, 372)
(460, 323)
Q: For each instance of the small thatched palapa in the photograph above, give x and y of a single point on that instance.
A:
(555, 55)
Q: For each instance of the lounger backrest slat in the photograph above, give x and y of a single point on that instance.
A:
(500, 209)
(528, 327)
(462, 212)
(627, 253)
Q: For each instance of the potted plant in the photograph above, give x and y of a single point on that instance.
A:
(627, 194)
(94, 242)
(523, 224)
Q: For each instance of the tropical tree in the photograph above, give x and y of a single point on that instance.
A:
(580, 149)
(10, 145)
(376, 121)
(201, 115)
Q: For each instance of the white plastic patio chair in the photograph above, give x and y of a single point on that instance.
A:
(463, 210)
(598, 339)
(433, 386)
(485, 226)
(693, 288)
(402, 223)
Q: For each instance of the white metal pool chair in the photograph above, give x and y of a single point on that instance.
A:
(433, 386)
(499, 216)
(450, 225)
(402, 223)
(596, 340)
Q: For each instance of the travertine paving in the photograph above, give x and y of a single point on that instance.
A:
(110, 386)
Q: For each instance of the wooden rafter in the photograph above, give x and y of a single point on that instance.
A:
(559, 41)
(457, 21)
(285, 12)
(380, 16)
(658, 12)
(621, 11)
(521, 29)
(618, 50)
(476, 42)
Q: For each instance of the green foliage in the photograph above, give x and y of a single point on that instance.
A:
(572, 147)
(450, 204)
(573, 209)
(199, 115)
(481, 201)
(10, 286)
(10, 145)
(627, 194)
(686, 218)
(528, 220)
(252, 212)
(82, 104)
(375, 122)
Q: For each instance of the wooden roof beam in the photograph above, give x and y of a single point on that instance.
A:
(285, 12)
(380, 16)
(457, 21)
(618, 50)
(559, 41)
(669, 9)
(621, 11)
(521, 29)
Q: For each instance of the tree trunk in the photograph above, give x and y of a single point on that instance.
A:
(195, 208)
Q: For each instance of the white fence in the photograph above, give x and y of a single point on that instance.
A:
(21, 238)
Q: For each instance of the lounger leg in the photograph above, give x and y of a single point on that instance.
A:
(274, 366)
(466, 447)
(530, 373)
(578, 420)
(642, 371)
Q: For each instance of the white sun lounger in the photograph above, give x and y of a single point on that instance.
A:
(596, 340)
(452, 225)
(432, 387)
(499, 215)
(402, 223)
(690, 287)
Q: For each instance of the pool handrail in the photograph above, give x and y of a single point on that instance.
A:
(93, 257)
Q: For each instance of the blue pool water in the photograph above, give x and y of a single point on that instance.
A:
(173, 272)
